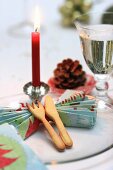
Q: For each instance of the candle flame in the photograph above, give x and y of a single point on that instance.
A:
(37, 19)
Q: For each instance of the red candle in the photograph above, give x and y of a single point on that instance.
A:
(35, 59)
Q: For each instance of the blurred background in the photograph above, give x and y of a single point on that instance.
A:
(59, 38)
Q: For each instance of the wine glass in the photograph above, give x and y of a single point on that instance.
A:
(96, 39)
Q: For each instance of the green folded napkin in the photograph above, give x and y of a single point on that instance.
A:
(77, 109)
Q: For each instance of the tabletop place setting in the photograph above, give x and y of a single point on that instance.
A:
(66, 120)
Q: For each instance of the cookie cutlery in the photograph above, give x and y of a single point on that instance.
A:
(39, 112)
(52, 113)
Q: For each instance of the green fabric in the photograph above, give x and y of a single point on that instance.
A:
(17, 151)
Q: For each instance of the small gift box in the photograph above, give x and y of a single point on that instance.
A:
(77, 109)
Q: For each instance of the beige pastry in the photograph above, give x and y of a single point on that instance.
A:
(39, 113)
(53, 114)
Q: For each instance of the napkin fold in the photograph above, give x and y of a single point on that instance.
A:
(74, 107)
(77, 109)
(22, 120)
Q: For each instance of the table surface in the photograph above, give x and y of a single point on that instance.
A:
(57, 43)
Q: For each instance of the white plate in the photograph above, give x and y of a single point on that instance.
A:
(87, 142)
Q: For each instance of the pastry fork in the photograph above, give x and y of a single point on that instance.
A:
(39, 112)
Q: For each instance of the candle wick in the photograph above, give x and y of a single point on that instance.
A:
(36, 29)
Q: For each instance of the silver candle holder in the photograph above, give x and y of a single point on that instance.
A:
(36, 93)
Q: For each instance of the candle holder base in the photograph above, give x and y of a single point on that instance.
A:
(36, 93)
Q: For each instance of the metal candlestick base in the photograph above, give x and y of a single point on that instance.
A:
(36, 93)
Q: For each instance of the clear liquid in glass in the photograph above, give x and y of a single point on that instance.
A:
(97, 49)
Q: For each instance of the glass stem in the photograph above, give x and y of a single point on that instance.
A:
(101, 85)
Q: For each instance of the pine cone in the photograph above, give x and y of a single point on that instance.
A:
(69, 74)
